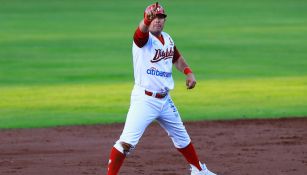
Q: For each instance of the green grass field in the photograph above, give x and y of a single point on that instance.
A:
(69, 62)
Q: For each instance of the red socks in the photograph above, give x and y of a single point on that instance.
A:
(190, 155)
(115, 162)
(117, 158)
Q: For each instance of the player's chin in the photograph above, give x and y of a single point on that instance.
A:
(158, 28)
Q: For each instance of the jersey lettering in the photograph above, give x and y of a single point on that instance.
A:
(162, 55)
(152, 63)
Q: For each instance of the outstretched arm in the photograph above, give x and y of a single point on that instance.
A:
(141, 34)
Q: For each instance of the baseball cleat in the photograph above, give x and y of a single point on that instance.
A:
(204, 171)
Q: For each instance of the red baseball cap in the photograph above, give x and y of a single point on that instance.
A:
(159, 9)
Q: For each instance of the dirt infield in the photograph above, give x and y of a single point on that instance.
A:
(244, 147)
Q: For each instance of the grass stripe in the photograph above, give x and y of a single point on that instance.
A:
(40, 106)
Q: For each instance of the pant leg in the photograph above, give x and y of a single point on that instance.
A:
(143, 110)
(171, 121)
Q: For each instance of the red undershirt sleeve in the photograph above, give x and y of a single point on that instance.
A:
(140, 38)
(176, 54)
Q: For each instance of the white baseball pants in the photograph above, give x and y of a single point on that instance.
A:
(144, 110)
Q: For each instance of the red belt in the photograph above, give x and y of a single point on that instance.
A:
(157, 95)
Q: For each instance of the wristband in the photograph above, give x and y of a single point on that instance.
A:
(187, 70)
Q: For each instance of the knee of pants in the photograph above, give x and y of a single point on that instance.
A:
(181, 143)
(124, 147)
(180, 140)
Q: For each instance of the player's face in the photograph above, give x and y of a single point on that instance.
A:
(157, 25)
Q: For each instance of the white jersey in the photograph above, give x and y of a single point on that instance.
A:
(153, 64)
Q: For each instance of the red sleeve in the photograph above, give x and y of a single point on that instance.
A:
(176, 54)
(140, 38)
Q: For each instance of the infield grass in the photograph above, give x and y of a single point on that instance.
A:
(69, 62)
(42, 106)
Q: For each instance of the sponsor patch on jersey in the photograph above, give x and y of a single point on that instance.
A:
(156, 72)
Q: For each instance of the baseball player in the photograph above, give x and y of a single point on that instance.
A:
(154, 54)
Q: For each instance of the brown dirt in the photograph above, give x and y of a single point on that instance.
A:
(243, 147)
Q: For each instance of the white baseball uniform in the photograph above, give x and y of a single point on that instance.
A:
(153, 73)
(153, 58)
